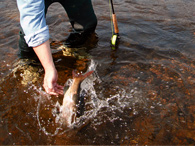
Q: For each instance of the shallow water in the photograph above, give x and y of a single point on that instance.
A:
(141, 93)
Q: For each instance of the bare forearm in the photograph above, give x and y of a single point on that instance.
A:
(43, 52)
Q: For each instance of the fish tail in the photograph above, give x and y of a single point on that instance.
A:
(81, 77)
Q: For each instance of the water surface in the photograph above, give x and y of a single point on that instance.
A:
(141, 93)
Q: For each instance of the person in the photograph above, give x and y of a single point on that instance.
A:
(34, 33)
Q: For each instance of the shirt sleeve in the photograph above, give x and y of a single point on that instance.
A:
(32, 20)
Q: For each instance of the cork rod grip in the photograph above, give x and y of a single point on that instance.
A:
(115, 23)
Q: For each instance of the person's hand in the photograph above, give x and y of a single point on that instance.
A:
(50, 83)
(43, 52)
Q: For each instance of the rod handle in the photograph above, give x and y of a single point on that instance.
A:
(115, 24)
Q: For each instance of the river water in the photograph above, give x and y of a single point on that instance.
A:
(142, 92)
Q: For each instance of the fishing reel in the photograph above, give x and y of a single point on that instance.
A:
(114, 41)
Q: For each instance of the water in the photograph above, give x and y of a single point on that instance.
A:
(141, 93)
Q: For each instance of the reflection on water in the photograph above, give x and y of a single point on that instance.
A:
(141, 93)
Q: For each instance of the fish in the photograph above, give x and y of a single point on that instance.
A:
(69, 108)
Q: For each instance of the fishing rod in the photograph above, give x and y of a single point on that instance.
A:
(115, 36)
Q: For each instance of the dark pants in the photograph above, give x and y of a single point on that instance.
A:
(81, 16)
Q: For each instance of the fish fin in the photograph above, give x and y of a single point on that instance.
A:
(66, 88)
(81, 76)
(75, 98)
(73, 118)
(67, 85)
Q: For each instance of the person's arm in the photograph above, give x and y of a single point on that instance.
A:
(43, 52)
(33, 23)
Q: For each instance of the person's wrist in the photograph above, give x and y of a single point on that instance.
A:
(50, 68)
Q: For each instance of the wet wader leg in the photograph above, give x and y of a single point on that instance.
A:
(26, 52)
(82, 19)
(80, 13)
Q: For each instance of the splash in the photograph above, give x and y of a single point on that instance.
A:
(98, 107)
(50, 108)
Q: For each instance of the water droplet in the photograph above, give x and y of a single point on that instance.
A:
(117, 136)
(135, 112)
(181, 114)
(152, 107)
(26, 124)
